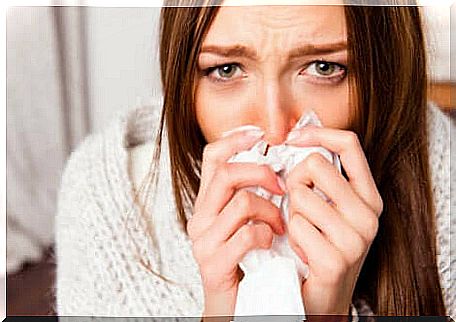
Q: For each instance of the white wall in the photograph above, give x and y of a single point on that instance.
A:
(123, 59)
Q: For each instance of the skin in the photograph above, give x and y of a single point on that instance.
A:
(271, 92)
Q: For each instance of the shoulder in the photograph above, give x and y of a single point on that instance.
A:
(107, 149)
(96, 173)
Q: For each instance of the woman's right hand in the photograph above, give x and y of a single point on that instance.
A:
(218, 231)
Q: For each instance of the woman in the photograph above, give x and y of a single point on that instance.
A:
(362, 70)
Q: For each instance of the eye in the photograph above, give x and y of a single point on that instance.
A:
(324, 71)
(226, 71)
(223, 73)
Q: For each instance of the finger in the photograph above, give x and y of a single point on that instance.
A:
(231, 177)
(220, 151)
(347, 146)
(322, 257)
(248, 237)
(243, 207)
(298, 251)
(304, 202)
(317, 171)
(230, 252)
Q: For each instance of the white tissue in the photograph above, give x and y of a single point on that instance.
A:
(272, 277)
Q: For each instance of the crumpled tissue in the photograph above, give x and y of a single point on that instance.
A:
(272, 277)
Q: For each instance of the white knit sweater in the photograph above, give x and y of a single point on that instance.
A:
(98, 272)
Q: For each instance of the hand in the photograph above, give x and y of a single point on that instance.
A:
(332, 239)
(217, 229)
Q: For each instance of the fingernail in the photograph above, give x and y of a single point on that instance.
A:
(240, 129)
(292, 136)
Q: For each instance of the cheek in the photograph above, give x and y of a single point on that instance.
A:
(220, 111)
(331, 104)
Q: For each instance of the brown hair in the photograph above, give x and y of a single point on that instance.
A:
(388, 77)
(388, 66)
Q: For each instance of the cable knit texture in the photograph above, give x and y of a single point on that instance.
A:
(101, 235)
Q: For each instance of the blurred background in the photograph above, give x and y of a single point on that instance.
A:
(70, 70)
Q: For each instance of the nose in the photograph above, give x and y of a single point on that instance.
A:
(277, 111)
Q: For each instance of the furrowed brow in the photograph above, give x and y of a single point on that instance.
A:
(246, 52)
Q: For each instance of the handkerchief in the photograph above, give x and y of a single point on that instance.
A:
(272, 277)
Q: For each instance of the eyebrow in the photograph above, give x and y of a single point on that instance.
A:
(308, 50)
(305, 50)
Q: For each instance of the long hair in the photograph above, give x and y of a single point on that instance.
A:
(388, 84)
(389, 74)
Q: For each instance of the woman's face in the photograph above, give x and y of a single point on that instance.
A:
(267, 65)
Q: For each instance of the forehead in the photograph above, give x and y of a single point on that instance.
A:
(258, 26)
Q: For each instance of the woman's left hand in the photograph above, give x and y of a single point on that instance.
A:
(333, 239)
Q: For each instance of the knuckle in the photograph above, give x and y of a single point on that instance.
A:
(379, 205)
(209, 153)
(314, 162)
(198, 251)
(351, 138)
(359, 246)
(197, 224)
(292, 182)
(247, 236)
(371, 227)
(289, 182)
(243, 201)
(267, 236)
(222, 173)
